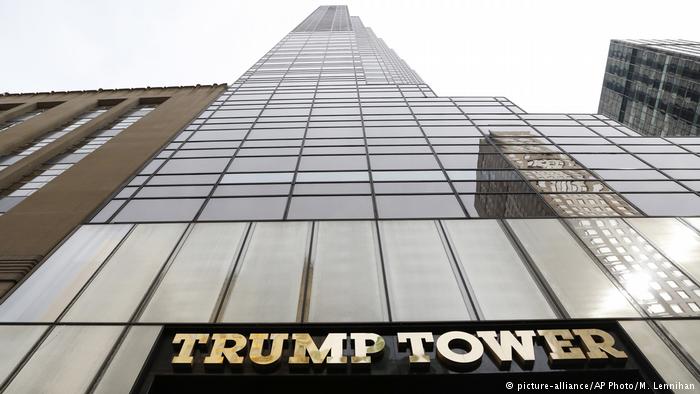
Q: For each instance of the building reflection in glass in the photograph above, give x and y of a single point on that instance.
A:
(652, 280)
(569, 189)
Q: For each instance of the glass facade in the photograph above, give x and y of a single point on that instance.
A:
(653, 86)
(330, 185)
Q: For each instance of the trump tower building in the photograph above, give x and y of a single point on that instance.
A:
(328, 223)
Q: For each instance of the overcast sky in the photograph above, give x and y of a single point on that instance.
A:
(546, 56)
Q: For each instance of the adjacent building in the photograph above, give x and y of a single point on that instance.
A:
(328, 222)
(653, 86)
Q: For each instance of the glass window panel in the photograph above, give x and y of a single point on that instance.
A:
(190, 288)
(676, 204)
(337, 163)
(646, 186)
(244, 208)
(419, 206)
(379, 176)
(194, 166)
(174, 191)
(107, 211)
(346, 283)
(572, 131)
(118, 288)
(355, 176)
(331, 207)
(453, 162)
(159, 210)
(657, 352)
(217, 135)
(44, 294)
(67, 361)
(692, 185)
(630, 174)
(124, 368)
(399, 149)
(683, 174)
(421, 282)
(267, 283)
(687, 333)
(503, 285)
(675, 240)
(406, 131)
(335, 150)
(209, 179)
(403, 162)
(334, 132)
(332, 188)
(576, 280)
(602, 160)
(672, 160)
(15, 343)
(193, 153)
(270, 177)
(269, 151)
(411, 187)
(260, 134)
(463, 131)
(251, 190)
(271, 163)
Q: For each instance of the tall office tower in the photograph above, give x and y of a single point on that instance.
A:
(329, 223)
(653, 86)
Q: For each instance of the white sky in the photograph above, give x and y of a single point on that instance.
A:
(546, 55)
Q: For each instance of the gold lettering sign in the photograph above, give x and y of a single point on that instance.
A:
(459, 361)
(561, 349)
(257, 342)
(299, 350)
(365, 353)
(331, 351)
(502, 351)
(418, 357)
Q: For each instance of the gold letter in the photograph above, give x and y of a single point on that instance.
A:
(452, 359)
(597, 350)
(303, 344)
(558, 355)
(184, 358)
(257, 341)
(502, 353)
(418, 358)
(219, 349)
(364, 353)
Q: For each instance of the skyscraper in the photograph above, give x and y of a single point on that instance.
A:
(653, 86)
(329, 210)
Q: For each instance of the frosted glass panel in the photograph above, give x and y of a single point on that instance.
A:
(661, 357)
(347, 282)
(677, 241)
(267, 284)
(127, 362)
(192, 284)
(15, 342)
(579, 284)
(67, 360)
(422, 283)
(504, 288)
(47, 292)
(120, 286)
